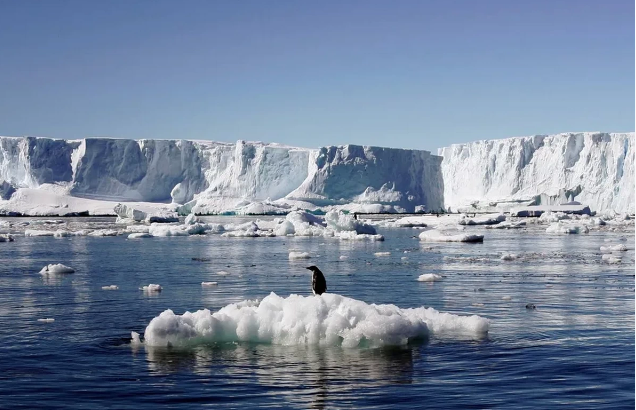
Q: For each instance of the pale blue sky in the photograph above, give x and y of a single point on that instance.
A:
(411, 74)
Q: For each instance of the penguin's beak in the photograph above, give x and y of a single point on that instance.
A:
(308, 268)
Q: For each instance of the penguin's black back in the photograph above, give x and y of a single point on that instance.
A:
(318, 282)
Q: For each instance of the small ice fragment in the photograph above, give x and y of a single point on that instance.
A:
(135, 339)
(46, 320)
(209, 283)
(343, 257)
(139, 235)
(56, 268)
(506, 298)
(404, 258)
(478, 304)
(222, 273)
(509, 256)
(152, 288)
(299, 255)
(382, 253)
(429, 277)
(111, 287)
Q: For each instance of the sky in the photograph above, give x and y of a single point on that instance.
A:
(409, 74)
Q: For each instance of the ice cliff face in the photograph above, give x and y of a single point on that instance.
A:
(373, 175)
(179, 170)
(596, 169)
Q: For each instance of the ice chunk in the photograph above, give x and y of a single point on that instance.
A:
(614, 248)
(509, 256)
(429, 277)
(483, 220)
(110, 287)
(128, 212)
(299, 255)
(35, 232)
(152, 288)
(610, 258)
(561, 228)
(382, 254)
(206, 284)
(139, 235)
(328, 319)
(507, 225)
(438, 236)
(6, 238)
(135, 339)
(56, 268)
(46, 320)
(339, 221)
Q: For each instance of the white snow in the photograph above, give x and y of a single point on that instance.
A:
(56, 268)
(329, 319)
(429, 277)
(434, 235)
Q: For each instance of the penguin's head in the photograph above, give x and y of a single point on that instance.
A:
(313, 268)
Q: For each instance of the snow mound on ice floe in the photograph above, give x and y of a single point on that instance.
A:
(57, 268)
(152, 288)
(329, 319)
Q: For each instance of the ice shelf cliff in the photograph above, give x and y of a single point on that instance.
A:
(189, 172)
(43, 176)
(595, 169)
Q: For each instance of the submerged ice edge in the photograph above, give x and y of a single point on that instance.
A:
(329, 319)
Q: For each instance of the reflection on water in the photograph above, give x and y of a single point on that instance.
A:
(320, 372)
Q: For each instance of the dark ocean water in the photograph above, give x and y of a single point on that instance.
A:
(575, 350)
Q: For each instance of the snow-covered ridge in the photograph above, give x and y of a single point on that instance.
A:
(595, 169)
(182, 171)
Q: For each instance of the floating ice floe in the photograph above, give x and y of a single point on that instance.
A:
(614, 248)
(482, 220)
(299, 255)
(206, 284)
(561, 228)
(222, 273)
(139, 235)
(382, 254)
(36, 232)
(46, 320)
(152, 288)
(437, 236)
(57, 268)
(329, 319)
(507, 225)
(429, 277)
(110, 287)
(610, 258)
(509, 256)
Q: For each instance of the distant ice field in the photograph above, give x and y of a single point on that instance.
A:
(559, 308)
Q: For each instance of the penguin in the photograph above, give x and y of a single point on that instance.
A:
(318, 282)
